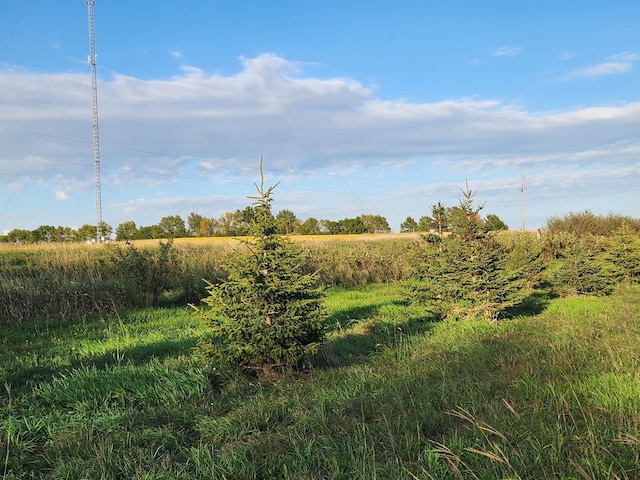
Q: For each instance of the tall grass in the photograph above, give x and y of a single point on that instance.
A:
(68, 282)
(391, 396)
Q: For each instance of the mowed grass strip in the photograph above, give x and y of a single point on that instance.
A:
(391, 395)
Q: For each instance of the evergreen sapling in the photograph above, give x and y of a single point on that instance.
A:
(269, 312)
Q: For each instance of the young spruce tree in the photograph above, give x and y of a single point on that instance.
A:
(268, 313)
(465, 275)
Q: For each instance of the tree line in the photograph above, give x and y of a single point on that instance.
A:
(238, 223)
(231, 224)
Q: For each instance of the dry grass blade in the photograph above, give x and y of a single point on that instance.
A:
(580, 470)
(510, 408)
(465, 415)
(490, 455)
(449, 457)
(628, 439)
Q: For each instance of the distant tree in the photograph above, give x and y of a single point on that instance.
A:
(311, 226)
(494, 223)
(287, 222)
(409, 225)
(106, 230)
(330, 227)
(208, 227)
(193, 223)
(19, 236)
(127, 231)
(42, 234)
(172, 226)
(62, 234)
(87, 233)
(352, 225)
(424, 223)
(150, 231)
(375, 223)
(227, 224)
(201, 226)
(244, 219)
(269, 312)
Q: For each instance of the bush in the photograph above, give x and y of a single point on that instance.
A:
(582, 270)
(143, 274)
(583, 223)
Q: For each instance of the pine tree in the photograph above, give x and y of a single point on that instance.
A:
(582, 269)
(623, 256)
(268, 313)
(466, 274)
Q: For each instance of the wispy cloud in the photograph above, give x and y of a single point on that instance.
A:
(507, 51)
(602, 69)
(613, 65)
(567, 56)
(175, 54)
(624, 57)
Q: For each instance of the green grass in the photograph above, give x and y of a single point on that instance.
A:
(390, 396)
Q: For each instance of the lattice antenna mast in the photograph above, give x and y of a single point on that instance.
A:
(522, 203)
(96, 135)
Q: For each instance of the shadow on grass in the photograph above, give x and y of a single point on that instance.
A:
(534, 304)
(136, 355)
(358, 331)
(347, 317)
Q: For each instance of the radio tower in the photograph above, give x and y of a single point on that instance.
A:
(96, 136)
(522, 203)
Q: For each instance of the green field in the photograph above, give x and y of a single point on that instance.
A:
(391, 395)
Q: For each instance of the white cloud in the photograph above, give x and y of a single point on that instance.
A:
(199, 136)
(175, 54)
(61, 195)
(195, 124)
(624, 57)
(507, 51)
(605, 68)
(614, 65)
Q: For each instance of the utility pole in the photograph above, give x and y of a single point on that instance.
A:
(522, 203)
(96, 136)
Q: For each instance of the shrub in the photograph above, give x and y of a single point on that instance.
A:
(581, 270)
(141, 273)
(582, 223)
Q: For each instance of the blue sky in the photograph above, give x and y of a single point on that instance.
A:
(357, 106)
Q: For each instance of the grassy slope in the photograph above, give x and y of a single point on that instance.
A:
(391, 396)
